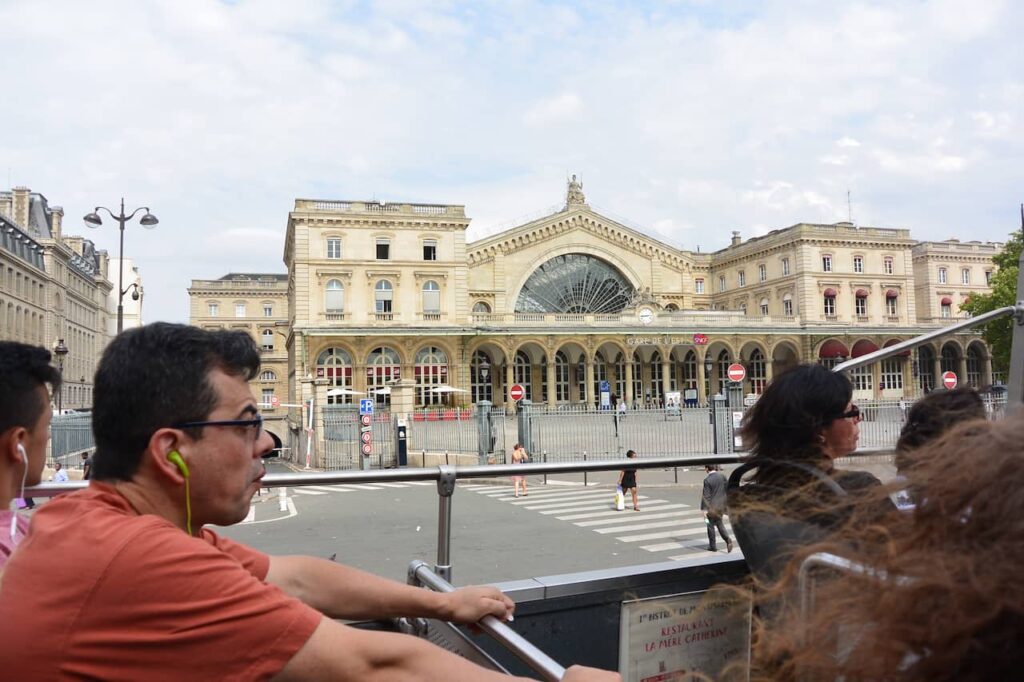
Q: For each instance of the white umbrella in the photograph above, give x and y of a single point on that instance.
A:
(343, 391)
(382, 391)
(443, 388)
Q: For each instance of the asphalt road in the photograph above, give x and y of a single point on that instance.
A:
(561, 527)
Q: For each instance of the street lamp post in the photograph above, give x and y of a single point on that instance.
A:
(149, 220)
(60, 350)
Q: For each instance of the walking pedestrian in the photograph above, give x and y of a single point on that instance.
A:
(519, 456)
(627, 481)
(712, 501)
(86, 466)
(59, 475)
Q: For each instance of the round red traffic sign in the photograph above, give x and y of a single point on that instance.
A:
(949, 380)
(275, 401)
(367, 449)
(366, 437)
(516, 392)
(365, 419)
(736, 372)
(700, 339)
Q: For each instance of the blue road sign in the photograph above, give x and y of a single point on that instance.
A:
(366, 406)
(605, 387)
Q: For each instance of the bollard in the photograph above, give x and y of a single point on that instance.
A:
(584, 473)
(282, 499)
(544, 457)
(423, 459)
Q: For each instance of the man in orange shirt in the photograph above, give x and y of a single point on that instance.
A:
(154, 594)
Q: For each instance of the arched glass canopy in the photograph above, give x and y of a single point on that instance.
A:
(574, 283)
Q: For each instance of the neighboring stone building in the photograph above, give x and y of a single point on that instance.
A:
(54, 288)
(388, 299)
(257, 303)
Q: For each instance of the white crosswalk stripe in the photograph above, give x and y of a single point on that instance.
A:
(659, 526)
(350, 488)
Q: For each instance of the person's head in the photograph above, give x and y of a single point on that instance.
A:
(151, 384)
(57, 466)
(933, 415)
(958, 554)
(630, 454)
(711, 467)
(85, 456)
(25, 373)
(800, 416)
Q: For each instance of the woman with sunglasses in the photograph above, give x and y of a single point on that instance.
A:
(800, 425)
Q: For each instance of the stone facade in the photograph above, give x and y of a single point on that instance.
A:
(54, 287)
(256, 303)
(389, 300)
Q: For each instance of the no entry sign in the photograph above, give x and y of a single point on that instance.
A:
(736, 372)
(949, 380)
(516, 392)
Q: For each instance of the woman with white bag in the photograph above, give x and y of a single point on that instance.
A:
(627, 481)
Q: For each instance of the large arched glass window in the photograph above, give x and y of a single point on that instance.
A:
(334, 297)
(431, 298)
(757, 371)
(600, 374)
(521, 373)
(335, 365)
(690, 370)
(383, 296)
(561, 377)
(383, 368)
(620, 376)
(656, 385)
(481, 377)
(431, 372)
(574, 283)
(973, 366)
(925, 369)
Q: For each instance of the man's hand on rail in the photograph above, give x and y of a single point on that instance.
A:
(470, 604)
(579, 673)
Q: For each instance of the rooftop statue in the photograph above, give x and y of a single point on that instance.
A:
(574, 194)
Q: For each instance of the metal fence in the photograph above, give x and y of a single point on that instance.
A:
(341, 442)
(70, 434)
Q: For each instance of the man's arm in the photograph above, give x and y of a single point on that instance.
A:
(705, 493)
(340, 591)
(337, 652)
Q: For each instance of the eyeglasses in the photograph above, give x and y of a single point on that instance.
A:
(852, 413)
(256, 423)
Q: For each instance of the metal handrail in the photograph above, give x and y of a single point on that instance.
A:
(537, 660)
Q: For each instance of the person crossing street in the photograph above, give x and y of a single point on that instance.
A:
(712, 502)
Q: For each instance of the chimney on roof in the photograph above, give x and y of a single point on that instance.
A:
(19, 206)
(56, 218)
(736, 238)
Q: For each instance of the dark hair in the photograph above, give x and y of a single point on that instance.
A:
(153, 376)
(23, 369)
(960, 614)
(786, 420)
(933, 415)
(630, 453)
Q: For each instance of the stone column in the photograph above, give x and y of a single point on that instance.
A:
(510, 407)
(629, 382)
(588, 372)
(986, 371)
(876, 380)
(937, 372)
(961, 370)
(552, 389)
(702, 394)
(666, 376)
(908, 376)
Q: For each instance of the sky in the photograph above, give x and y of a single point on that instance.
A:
(686, 119)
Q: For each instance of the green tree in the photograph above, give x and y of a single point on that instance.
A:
(998, 334)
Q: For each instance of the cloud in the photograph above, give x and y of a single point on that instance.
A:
(558, 109)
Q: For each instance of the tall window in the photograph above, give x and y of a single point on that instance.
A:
(267, 339)
(764, 306)
(383, 297)
(334, 297)
(830, 304)
(481, 307)
(239, 310)
(656, 377)
(698, 285)
(965, 276)
(638, 381)
(787, 305)
(267, 397)
(892, 373)
(721, 282)
(925, 368)
(335, 365)
(858, 264)
(861, 378)
(561, 377)
(860, 305)
(891, 306)
(973, 366)
(741, 278)
(431, 298)
(481, 377)
(431, 371)
(988, 277)
(762, 273)
(383, 368)
(947, 310)
(942, 275)
(334, 248)
(268, 310)
(600, 374)
(887, 265)
(522, 373)
(212, 309)
(826, 263)
(429, 249)
(383, 248)
(268, 375)
(757, 371)
(785, 267)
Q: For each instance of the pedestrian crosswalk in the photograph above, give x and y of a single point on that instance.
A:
(351, 488)
(674, 529)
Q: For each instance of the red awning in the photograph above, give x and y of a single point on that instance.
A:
(893, 342)
(833, 349)
(946, 300)
(892, 293)
(862, 293)
(830, 292)
(863, 347)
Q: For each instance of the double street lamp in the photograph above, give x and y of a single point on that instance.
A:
(149, 221)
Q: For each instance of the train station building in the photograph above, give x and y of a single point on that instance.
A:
(389, 300)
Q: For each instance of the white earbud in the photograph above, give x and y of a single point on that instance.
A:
(24, 457)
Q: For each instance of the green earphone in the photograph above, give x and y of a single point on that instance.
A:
(179, 461)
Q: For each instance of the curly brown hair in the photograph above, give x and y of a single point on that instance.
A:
(945, 600)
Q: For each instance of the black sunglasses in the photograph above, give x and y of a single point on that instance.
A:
(852, 413)
(256, 423)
